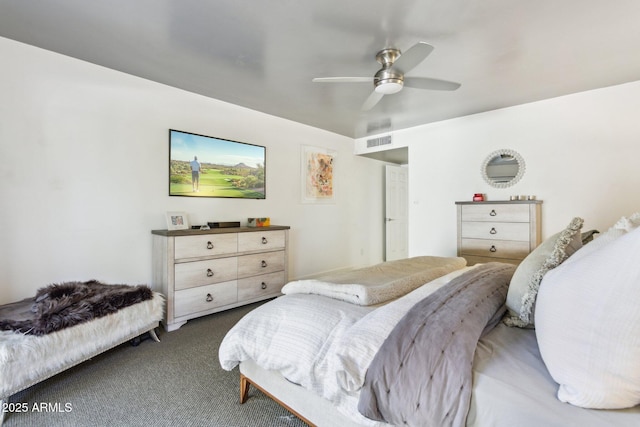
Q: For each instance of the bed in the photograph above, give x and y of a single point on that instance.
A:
(557, 340)
(28, 357)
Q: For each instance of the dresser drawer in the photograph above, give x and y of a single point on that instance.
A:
(495, 212)
(258, 286)
(203, 298)
(495, 230)
(205, 245)
(261, 240)
(268, 262)
(473, 260)
(198, 273)
(495, 248)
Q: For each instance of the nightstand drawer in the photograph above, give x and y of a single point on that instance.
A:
(198, 273)
(495, 248)
(204, 298)
(261, 241)
(205, 245)
(257, 286)
(496, 212)
(495, 230)
(268, 262)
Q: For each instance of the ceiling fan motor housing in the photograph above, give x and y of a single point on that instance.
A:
(388, 81)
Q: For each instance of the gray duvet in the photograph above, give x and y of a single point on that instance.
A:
(422, 374)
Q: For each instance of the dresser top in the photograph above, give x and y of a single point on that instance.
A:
(223, 230)
(502, 202)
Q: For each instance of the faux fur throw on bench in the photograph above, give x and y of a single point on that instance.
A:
(67, 304)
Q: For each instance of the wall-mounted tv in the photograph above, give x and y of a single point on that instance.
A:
(204, 166)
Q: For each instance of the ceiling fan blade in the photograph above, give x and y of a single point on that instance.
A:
(412, 57)
(429, 83)
(372, 100)
(342, 80)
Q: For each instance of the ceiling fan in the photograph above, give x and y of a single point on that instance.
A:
(391, 77)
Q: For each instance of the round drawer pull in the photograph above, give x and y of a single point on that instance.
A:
(209, 298)
(263, 263)
(492, 249)
(264, 241)
(209, 272)
(493, 230)
(493, 212)
(209, 245)
(264, 285)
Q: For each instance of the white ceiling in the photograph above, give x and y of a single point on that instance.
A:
(263, 54)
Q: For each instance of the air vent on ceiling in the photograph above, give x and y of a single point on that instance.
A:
(376, 142)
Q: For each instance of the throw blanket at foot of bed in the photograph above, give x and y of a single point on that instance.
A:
(422, 376)
(59, 306)
(379, 283)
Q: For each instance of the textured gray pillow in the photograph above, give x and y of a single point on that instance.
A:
(525, 283)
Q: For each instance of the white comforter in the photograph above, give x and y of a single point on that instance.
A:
(322, 344)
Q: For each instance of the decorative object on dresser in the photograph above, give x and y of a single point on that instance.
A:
(259, 222)
(177, 221)
(206, 271)
(505, 231)
(225, 224)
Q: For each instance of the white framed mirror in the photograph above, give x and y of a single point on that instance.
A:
(503, 168)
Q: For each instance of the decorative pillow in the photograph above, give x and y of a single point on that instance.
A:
(620, 228)
(588, 326)
(628, 224)
(524, 285)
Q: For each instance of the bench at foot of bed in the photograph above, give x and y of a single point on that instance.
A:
(29, 359)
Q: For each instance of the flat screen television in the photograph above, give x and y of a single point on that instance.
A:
(204, 166)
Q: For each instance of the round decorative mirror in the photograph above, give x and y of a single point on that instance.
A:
(503, 168)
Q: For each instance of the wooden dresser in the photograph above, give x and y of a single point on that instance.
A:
(504, 231)
(205, 271)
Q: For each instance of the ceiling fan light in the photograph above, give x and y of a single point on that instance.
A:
(389, 87)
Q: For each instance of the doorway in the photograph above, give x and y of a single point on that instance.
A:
(396, 212)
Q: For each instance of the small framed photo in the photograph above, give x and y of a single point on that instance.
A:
(177, 221)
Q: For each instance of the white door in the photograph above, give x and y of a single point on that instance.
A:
(396, 213)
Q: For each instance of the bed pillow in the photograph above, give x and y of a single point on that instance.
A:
(588, 326)
(524, 285)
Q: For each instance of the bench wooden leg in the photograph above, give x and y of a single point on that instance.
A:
(244, 388)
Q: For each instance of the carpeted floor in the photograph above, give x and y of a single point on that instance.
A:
(177, 382)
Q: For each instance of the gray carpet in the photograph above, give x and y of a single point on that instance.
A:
(177, 382)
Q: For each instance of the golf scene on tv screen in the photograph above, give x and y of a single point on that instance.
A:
(204, 166)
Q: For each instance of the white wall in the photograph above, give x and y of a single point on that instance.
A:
(581, 152)
(84, 176)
